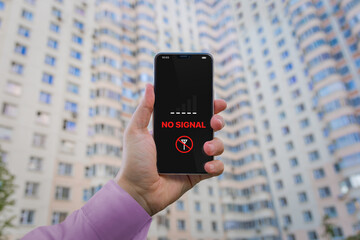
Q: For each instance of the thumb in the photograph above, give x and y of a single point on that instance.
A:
(142, 115)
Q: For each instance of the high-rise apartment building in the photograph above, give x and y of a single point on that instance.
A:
(72, 73)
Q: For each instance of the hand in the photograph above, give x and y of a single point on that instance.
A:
(139, 176)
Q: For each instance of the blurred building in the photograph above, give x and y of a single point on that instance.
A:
(72, 73)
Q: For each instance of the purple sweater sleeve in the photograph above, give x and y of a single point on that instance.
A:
(110, 214)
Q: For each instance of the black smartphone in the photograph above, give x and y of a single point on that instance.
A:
(182, 111)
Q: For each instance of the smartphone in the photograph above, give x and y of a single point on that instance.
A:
(182, 111)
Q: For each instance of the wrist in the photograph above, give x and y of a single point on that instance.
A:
(134, 194)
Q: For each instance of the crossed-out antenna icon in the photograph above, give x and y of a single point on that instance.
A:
(184, 144)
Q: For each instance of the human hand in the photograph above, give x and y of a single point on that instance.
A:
(138, 174)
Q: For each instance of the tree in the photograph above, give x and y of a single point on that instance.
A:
(7, 189)
(329, 230)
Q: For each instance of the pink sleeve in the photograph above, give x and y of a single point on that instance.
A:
(110, 214)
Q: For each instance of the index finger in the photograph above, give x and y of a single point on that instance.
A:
(219, 105)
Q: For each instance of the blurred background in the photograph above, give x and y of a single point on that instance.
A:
(72, 74)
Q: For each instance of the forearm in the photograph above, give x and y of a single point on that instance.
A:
(110, 214)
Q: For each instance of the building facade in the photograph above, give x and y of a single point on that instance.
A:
(72, 74)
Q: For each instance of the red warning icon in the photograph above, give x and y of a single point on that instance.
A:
(184, 144)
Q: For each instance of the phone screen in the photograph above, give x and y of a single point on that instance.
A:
(182, 111)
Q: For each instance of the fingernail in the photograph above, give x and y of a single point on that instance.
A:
(221, 122)
(211, 167)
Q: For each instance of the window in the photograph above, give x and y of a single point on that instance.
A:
(302, 196)
(290, 237)
(17, 68)
(338, 233)
(300, 108)
(288, 67)
(275, 168)
(50, 60)
(292, 80)
(65, 169)
(266, 52)
(197, 207)
(330, 212)
(324, 192)
(287, 220)
(35, 164)
(3, 156)
(279, 184)
(312, 235)
(54, 27)
(69, 126)
(307, 215)
(27, 217)
(39, 140)
(67, 146)
(284, 54)
(309, 139)
(283, 201)
(52, 43)
(72, 88)
(210, 191)
(62, 193)
(278, 102)
(77, 39)
(5, 133)
(58, 217)
(275, 88)
(285, 130)
(214, 226)
(293, 162)
(272, 152)
(20, 49)
(272, 76)
(319, 173)
(79, 25)
(47, 78)
(266, 124)
(181, 224)
(180, 205)
(281, 42)
(56, 13)
(296, 93)
(199, 226)
(80, 11)
(282, 115)
(298, 179)
(263, 41)
(45, 97)
(212, 208)
(71, 106)
(314, 155)
(75, 71)
(23, 31)
(31, 189)
(27, 15)
(289, 145)
(268, 63)
(9, 110)
(304, 123)
(350, 207)
(268, 138)
(75, 54)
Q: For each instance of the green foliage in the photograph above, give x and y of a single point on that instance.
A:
(329, 232)
(7, 188)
